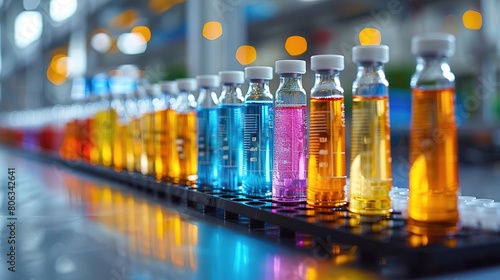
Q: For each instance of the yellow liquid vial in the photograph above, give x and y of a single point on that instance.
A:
(160, 144)
(130, 141)
(147, 138)
(187, 147)
(172, 166)
(134, 138)
(120, 147)
(433, 174)
(327, 166)
(105, 120)
(371, 162)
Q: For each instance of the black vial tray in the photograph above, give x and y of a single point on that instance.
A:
(375, 237)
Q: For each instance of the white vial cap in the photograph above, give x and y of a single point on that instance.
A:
(379, 53)
(210, 81)
(232, 77)
(169, 86)
(186, 84)
(327, 62)
(153, 90)
(290, 66)
(259, 72)
(433, 44)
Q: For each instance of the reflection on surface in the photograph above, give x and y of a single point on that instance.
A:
(80, 227)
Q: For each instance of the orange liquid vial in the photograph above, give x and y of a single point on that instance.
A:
(172, 156)
(433, 174)
(371, 163)
(327, 170)
(187, 147)
(160, 144)
(69, 148)
(134, 146)
(120, 147)
(147, 138)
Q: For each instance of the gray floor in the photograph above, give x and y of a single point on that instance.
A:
(74, 226)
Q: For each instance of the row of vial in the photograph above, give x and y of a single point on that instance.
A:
(260, 145)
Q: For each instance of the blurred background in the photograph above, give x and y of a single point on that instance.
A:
(46, 44)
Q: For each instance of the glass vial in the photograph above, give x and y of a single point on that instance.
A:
(258, 132)
(230, 134)
(371, 163)
(166, 156)
(327, 166)
(187, 150)
(104, 122)
(208, 125)
(290, 133)
(433, 178)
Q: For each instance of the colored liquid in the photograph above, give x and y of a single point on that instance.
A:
(69, 148)
(371, 169)
(327, 166)
(120, 147)
(258, 148)
(230, 138)
(105, 130)
(160, 144)
(147, 138)
(433, 157)
(186, 146)
(290, 153)
(134, 135)
(208, 125)
(172, 156)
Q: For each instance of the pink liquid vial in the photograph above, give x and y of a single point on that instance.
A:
(290, 153)
(290, 134)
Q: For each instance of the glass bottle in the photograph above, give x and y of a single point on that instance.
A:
(104, 122)
(187, 150)
(258, 132)
(208, 125)
(433, 177)
(327, 166)
(166, 160)
(146, 112)
(230, 134)
(290, 133)
(371, 163)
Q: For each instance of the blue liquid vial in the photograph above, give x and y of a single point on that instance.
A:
(258, 133)
(230, 134)
(208, 125)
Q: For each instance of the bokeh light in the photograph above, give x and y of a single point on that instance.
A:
(296, 45)
(212, 30)
(246, 54)
(369, 36)
(472, 20)
(57, 72)
(144, 31)
(101, 42)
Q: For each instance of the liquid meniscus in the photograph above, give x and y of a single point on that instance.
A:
(327, 166)
(290, 153)
(433, 174)
(371, 162)
(258, 148)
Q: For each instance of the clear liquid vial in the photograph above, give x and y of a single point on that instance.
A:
(230, 134)
(327, 166)
(371, 162)
(258, 132)
(187, 151)
(208, 125)
(433, 178)
(290, 133)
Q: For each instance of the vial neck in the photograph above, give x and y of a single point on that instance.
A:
(258, 87)
(370, 68)
(231, 91)
(323, 77)
(425, 62)
(207, 97)
(290, 81)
